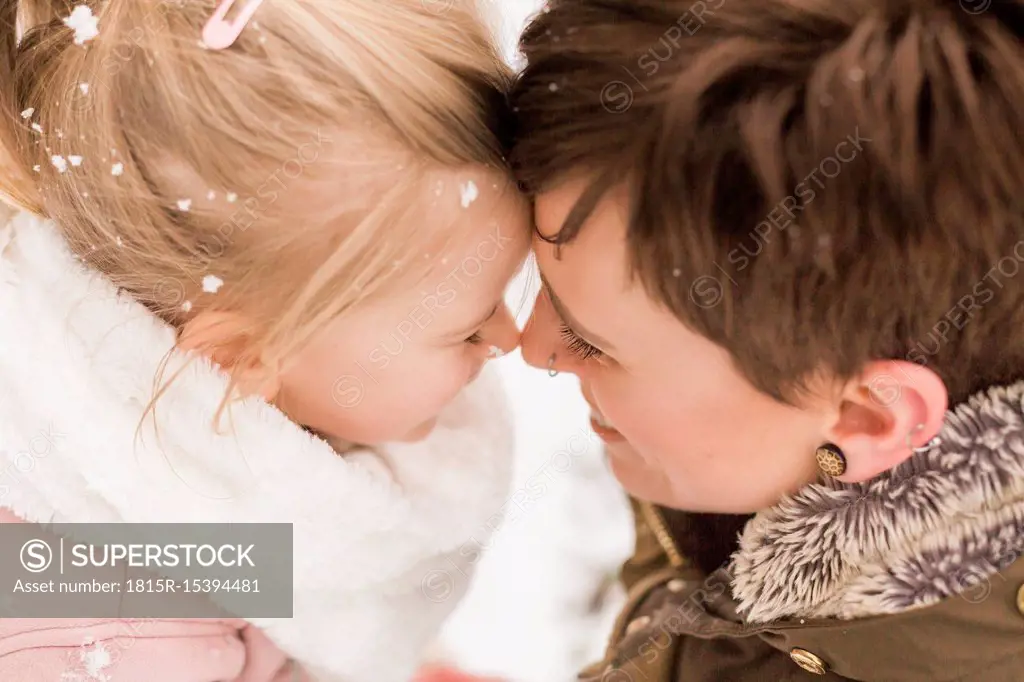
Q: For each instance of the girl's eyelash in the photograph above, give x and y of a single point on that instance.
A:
(576, 345)
(475, 338)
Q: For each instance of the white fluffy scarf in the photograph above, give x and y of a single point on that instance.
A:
(77, 366)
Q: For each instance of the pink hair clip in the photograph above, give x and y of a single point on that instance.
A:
(219, 33)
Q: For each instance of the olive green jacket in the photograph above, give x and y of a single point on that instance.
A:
(915, 576)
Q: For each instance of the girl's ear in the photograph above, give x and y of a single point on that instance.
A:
(892, 408)
(226, 340)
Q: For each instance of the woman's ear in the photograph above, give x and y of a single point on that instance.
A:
(892, 408)
(225, 339)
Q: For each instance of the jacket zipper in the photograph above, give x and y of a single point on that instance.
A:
(657, 524)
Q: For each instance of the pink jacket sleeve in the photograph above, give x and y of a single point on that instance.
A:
(159, 650)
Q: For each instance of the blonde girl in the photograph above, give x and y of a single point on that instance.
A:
(230, 274)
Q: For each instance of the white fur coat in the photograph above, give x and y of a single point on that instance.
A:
(379, 535)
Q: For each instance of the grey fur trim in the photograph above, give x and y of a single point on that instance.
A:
(937, 525)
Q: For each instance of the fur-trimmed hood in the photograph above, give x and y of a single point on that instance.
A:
(77, 368)
(944, 520)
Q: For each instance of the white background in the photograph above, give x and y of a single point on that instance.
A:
(530, 614)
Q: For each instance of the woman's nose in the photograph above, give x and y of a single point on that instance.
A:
(542, 339)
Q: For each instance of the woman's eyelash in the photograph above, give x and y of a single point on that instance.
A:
(576, 345)
(475, 338)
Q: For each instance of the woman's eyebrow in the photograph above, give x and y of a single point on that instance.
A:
(563, 312)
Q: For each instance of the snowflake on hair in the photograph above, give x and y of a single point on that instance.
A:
(85, 25)
(212, 284)
(469, 193)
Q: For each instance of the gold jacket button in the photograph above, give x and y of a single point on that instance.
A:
(808, 661)
(638, 625)
(676, 585)
(1020, 600)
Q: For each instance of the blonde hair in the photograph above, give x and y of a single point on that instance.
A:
(156, 156)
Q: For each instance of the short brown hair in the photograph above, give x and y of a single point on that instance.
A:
(814, 184)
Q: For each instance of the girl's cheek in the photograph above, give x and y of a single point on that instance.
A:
(452, 371)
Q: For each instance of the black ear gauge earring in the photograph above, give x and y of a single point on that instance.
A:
(552, 372)
(831, 460)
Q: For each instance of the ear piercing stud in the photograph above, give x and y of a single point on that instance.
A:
(927, 446)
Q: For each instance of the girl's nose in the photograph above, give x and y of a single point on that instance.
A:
(501, 331)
